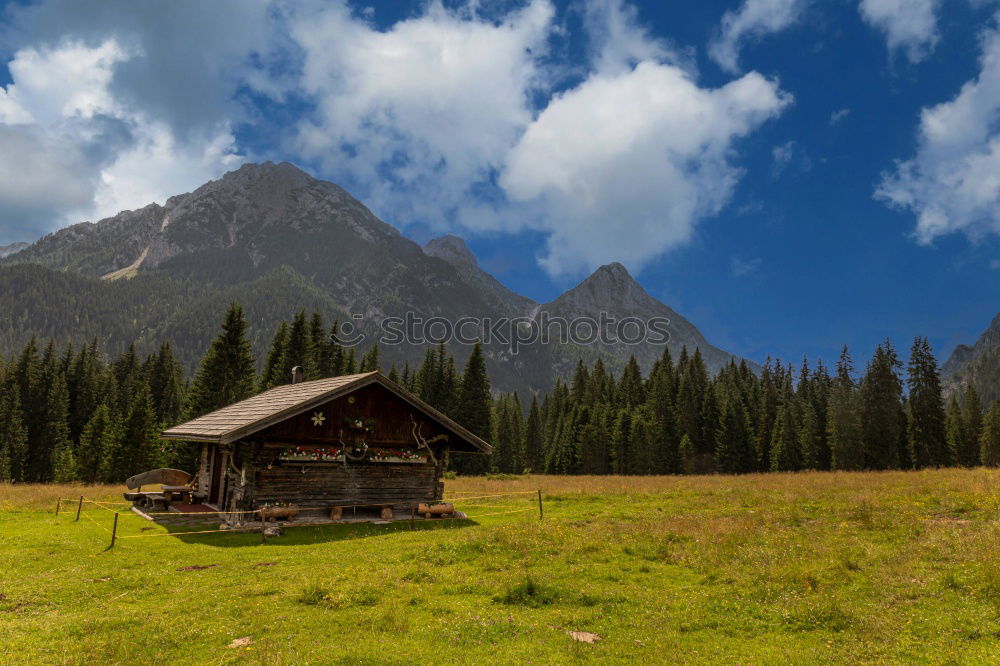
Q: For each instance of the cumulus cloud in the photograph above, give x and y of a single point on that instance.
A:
(625, 165)
(447, 117)
(754, 19)
(104, 112)
(420, 113)
(953, 181)
(910, 25)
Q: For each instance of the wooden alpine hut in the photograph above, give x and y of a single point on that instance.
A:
(355, 440)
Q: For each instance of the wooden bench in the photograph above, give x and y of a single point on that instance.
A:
(172, 482)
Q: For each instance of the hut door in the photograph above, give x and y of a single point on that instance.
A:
(215, 485)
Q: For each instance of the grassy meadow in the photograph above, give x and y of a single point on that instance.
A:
(779, 568)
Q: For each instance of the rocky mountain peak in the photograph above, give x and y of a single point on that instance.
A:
(452, 249)
(609, 287)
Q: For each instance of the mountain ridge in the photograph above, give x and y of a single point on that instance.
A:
(311, 241)
(978, 365)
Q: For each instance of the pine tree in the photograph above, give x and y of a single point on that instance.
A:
(972, 419)
(954, 428)
(843, 420)
(226, 374)
(691, 398)
(880, 394)
(84, 382)
(64, 468)
(533, 442)
(274, 365)
(734, 449)
(989, 440)
(96, 442)
(809, 436)
(687, 454)
(137, 449)
(298, 349)
(52, 443)
(166, 386)
(317, 348)
(928, 446)
(370, 361)
(785, 455)
(630, 389)
(13, 435)
(474, 403)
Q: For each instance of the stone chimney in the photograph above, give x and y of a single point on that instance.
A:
(298, 374)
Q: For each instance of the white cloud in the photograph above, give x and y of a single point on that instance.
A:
(420, 113)
(624, 166)
(753, 20)
(73, 151)
(953, 182)
(839, 116)
(104, 111)
(446, 118)
(910, 25)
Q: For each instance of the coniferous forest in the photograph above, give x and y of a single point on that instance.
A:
(75, 415)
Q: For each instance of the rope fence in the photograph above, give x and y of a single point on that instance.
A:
(70, 504)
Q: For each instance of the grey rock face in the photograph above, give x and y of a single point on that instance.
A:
(978, 365)
(311, 244)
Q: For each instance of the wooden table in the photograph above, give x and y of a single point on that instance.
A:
(184, 492)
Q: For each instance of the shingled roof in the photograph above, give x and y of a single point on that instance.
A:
(246, 417)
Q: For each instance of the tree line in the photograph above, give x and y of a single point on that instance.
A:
(75, 415)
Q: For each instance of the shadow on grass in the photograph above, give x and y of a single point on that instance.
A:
(294, 535)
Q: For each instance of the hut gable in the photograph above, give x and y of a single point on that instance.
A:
(320, 411)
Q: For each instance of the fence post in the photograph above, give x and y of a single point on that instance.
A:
(540, 513)
(413, 512)
(114, 531)
(263, 526)
(78, 507)
(58, 502)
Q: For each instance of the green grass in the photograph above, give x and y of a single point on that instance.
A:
(786, 568)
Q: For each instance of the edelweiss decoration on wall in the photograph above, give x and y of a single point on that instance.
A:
(318, 419)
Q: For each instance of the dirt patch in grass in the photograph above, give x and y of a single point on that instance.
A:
(198, 567)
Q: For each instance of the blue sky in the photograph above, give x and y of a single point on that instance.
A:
(791, 175)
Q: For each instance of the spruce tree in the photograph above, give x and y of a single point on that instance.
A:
(13, 435)
(687, 455)
(474, 403)
(734, 449)
(844, 432)
(989, 440)
(298, 349)
(880, 394)
(533, 442)
(64, 468)
(954, 428)
(972, 420)
(274, 365)
(52, 443)
(226, 374)
(785, 454)
(370, 361)
(96, 443)
(138, 447)
(926, 429)
(166, 386)
(317, 347)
